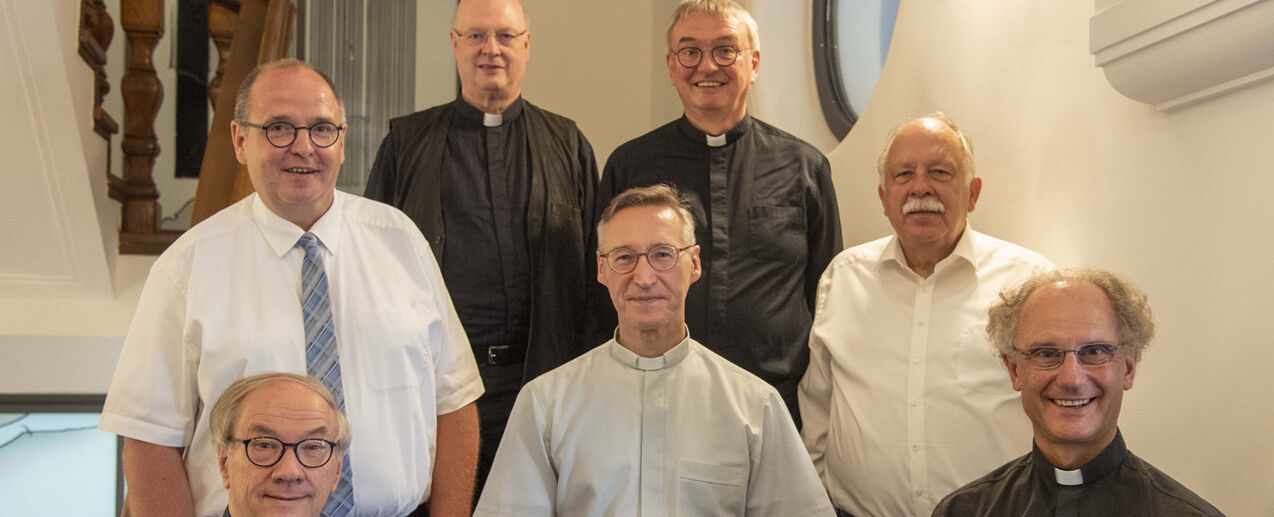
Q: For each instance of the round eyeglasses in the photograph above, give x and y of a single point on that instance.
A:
(1047, 358)
(282, 134)
(723, 56)
(662, 258)
(266, 451)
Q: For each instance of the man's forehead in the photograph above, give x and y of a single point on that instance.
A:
(489, 15)
(271, 104)
(700, 27)
(935, 145)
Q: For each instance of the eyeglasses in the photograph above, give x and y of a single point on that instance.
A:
(265, 451)
(282, 134)
(662, 258)
(478, 38)
(1047, 358)
(723, 56)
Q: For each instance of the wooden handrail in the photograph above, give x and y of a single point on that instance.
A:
(262, 31)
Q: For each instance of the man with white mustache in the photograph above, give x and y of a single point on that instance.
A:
(904, 400)
(765, 210)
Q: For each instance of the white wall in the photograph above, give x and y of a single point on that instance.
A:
(1175, 201)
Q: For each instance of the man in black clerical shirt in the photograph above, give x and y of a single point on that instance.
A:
(765, 211)
(1071, 341)
(503, 191)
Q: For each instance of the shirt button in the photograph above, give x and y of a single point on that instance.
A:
(915, 448)
(920, 491)
(915, 403)
(920, 323)
(915, 361)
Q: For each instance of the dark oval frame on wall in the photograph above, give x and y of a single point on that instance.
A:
(832, 97)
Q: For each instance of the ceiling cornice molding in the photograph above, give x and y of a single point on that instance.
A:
(1174, 53)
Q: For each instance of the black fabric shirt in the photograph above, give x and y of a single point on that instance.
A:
(1115, 483)
(557, 203)
(485, 179)
(767, 225)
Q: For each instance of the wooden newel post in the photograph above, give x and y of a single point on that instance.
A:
(143, 23)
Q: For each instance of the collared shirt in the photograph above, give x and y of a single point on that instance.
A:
(905, 399)
(1116, 482)
(486, 263)
(223, 302)
(767, 225)
(616, 434)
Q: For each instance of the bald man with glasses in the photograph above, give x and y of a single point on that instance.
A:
(503, 190)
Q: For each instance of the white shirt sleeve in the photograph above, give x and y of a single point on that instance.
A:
(456, 373)
(523, 479)
(814, 393)
(783, 481)
(154, 394)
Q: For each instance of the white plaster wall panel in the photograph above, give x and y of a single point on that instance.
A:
(54, 241)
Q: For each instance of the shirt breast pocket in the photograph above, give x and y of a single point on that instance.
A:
(979, 366)
(707, 489)
(394, 346)
(777, 233)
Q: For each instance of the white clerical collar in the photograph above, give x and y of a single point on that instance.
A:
(492, 119)
(670, 358)
(716, 140)
(1068, 477)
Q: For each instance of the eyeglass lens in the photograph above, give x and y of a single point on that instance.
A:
(265, 452)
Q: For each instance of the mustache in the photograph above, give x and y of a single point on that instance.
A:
(923, 204)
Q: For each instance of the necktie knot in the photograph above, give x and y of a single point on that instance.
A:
(308, 242)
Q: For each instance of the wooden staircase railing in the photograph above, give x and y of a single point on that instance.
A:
(262, 32)
(245, 32)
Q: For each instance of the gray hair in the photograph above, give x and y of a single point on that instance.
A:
(661, 195)
(724, 8)
(966, 162)
(1134, 321)
(225, 413)
(243, 98)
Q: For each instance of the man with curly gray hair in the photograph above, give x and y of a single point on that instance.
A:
(1079, 464)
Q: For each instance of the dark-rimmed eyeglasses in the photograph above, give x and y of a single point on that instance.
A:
(1047, 358)
(479, 38)
(723, 56)
(266, 451)
(282, 134)
(662, 258)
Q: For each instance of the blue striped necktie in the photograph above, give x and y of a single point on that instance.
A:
(322, 360)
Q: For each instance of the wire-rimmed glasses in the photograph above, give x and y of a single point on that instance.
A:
(661, 257)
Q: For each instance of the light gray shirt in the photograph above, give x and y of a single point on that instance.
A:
(686, 433)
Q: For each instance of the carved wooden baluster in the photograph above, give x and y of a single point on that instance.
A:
(221, 19)
(96, 31)
(143, 22)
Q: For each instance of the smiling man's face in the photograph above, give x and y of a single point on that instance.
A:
(297, 182)
(647, 300)
(709, 91)
(491, 68)
(1074, 408)
(289, 412)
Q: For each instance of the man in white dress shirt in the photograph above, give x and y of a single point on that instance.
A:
(223, 302)
(651, 422)
(904, 399)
